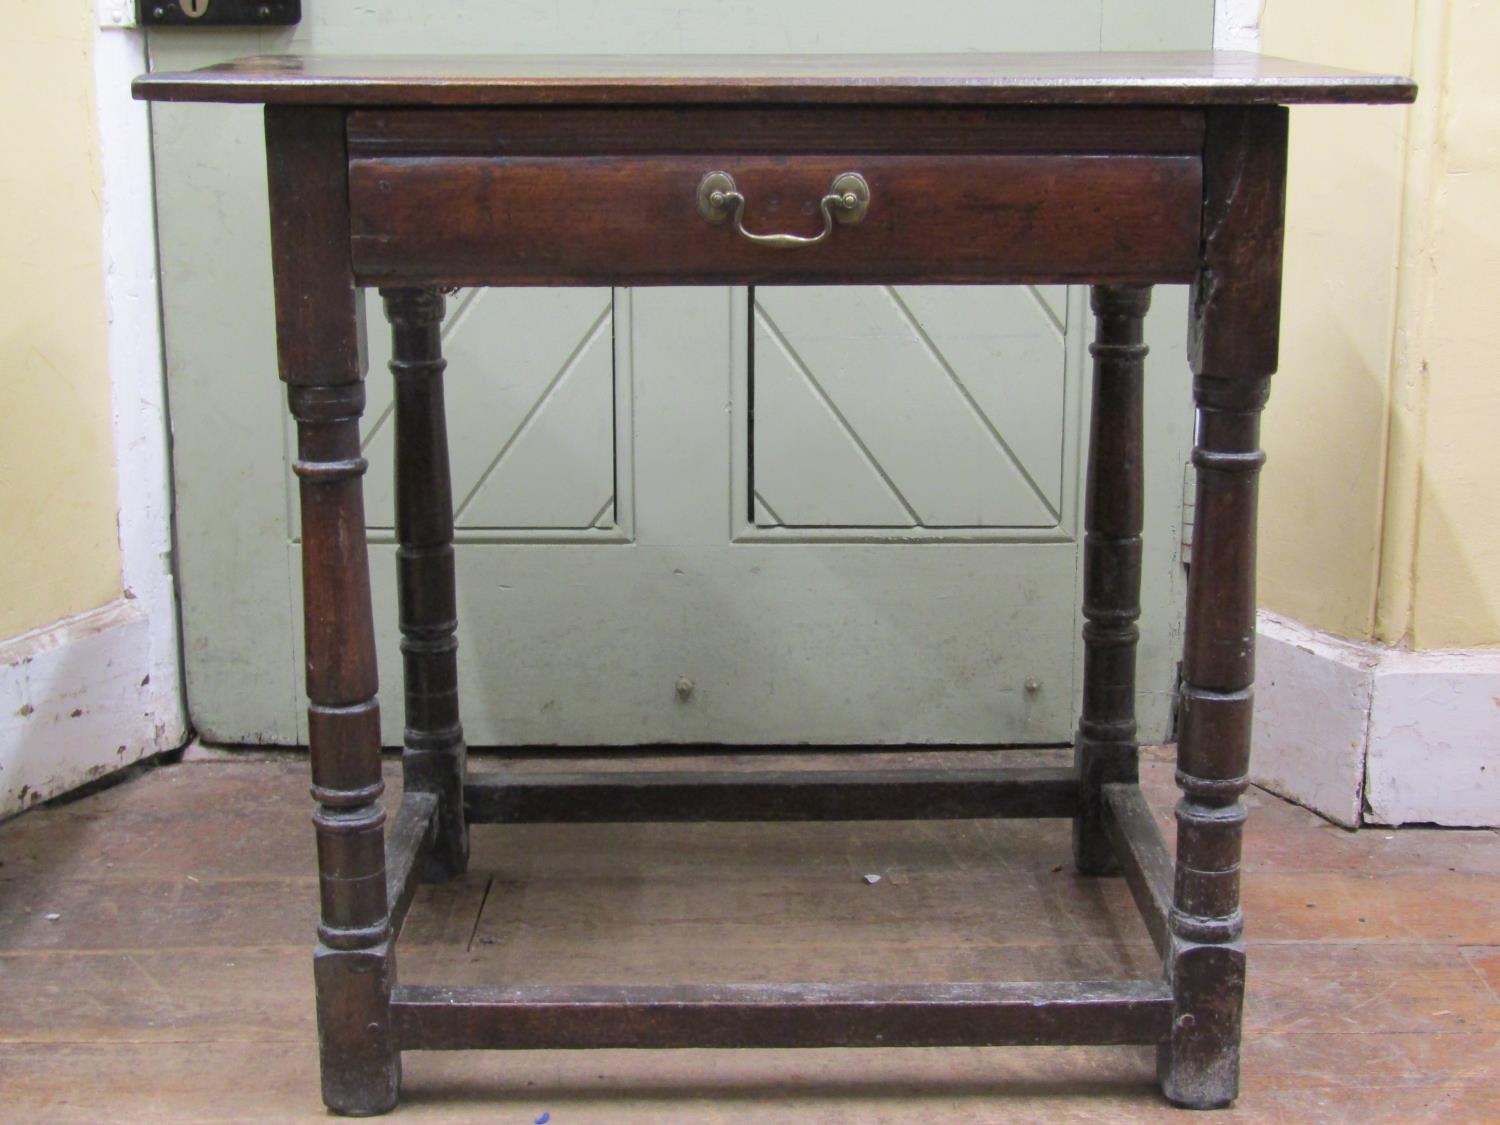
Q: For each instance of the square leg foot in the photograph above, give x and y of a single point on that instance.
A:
(1199, 1063)
(361, 1065)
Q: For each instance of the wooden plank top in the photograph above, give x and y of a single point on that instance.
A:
(1188, 78)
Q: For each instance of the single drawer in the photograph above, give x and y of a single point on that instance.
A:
(428, 211)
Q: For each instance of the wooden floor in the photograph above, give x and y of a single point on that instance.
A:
(155, 962)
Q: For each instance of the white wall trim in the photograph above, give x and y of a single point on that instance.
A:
(133, 310)
(1237, 24)
(1366, 734)
(94, 693)
(1312, 717)
(72, 704)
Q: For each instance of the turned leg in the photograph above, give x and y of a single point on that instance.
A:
(1105, 750)
(354, 964)
(434, 756)
(1207, 956)
(1232, 345)
(319, 344)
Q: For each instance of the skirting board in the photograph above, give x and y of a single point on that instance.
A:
(77, 702)
(1366, 734)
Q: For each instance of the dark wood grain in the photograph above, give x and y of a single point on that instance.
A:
(783, 1015)
(408, 844)
(1142, 856)
(1232, 346)
(690, 130)
(1114, 507)
(970, 78)
(354, 961)
(898, 794)
(635, 220)
(320, 346)
(1234, 328)
(320, 335)
(434, 754)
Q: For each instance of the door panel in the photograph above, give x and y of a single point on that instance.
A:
(783, 641)
(911, 562)
(530, 390)
(945, 402)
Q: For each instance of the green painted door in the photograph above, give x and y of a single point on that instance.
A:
(842, 515)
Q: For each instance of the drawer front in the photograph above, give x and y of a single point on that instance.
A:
(634, 219)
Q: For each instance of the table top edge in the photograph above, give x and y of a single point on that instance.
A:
(1185, 79)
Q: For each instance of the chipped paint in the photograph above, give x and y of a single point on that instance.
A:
(88, 695)
(68, 695)
(1366, 734)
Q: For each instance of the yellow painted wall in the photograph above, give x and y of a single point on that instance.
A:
(1455, 590)
(57, 480)
(1382, 481)
(1325, 431)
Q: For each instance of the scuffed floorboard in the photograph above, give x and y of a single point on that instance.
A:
(174, 983)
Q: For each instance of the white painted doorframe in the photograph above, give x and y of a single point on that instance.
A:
(95, 693)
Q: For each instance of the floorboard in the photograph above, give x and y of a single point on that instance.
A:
(154, 969)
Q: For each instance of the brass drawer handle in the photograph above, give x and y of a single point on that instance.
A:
(847, 201)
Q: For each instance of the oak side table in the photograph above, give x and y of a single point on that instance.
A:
(1117, 171)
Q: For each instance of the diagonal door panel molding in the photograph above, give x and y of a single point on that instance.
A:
(948, 400)
(809, 431)
(558, 462)
(1005, 348)
(380, 412)
(1053, 302)
(530, 390)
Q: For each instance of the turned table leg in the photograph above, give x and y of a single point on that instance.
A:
(354, 966)
(434, 757)
(319, 346)
(1232, 345)
(1105, 750)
